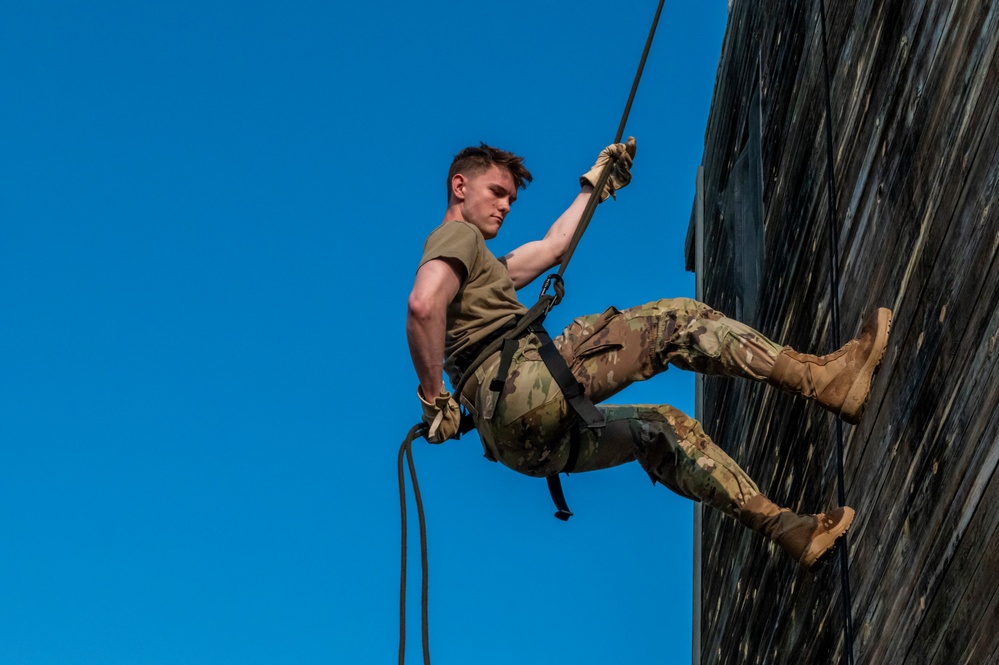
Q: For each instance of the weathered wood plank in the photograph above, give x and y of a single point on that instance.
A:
(937, 360)
(917, 168)
(954, 613)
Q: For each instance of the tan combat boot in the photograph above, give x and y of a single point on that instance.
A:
(840, 381)
(809, 539)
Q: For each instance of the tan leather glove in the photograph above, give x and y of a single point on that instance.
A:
(443, 415)
(620, 174)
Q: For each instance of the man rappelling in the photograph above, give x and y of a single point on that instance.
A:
(533, 401)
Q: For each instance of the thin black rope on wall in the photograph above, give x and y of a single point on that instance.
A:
(834, 279)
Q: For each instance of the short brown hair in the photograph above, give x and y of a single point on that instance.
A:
(474, 160)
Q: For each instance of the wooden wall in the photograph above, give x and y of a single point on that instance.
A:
(915, 91)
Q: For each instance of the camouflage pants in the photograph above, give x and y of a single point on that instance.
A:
(529, 427)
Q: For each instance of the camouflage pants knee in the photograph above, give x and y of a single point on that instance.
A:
(529, 429)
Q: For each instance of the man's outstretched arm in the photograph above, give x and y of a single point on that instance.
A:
(436, 284)
(531, 259)
(528, 261)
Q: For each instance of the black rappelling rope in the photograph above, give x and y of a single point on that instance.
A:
(834, 313)
(406, 449)
(591, 205)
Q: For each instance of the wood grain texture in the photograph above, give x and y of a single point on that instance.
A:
(915, 110)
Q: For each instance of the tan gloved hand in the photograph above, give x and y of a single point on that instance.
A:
(443, 415)
(620, 174)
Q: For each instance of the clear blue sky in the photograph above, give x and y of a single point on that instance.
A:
(210, 216)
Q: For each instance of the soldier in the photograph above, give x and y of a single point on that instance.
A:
(464, 297)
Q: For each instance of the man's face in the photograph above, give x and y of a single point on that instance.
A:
(485, 198)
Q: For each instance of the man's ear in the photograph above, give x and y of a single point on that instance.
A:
(458, 183)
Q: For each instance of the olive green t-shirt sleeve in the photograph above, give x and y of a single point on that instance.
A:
(451, 240)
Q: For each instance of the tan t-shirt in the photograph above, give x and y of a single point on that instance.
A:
(487, 299)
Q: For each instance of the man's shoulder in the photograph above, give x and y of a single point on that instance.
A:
(456, 239)
(457, 228)
(456, 235)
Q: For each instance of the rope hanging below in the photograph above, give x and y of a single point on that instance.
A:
(406, 450)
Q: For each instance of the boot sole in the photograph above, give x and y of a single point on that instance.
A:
(860, 392)
(822, 548)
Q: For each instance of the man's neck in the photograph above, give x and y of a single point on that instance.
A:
(453, 214)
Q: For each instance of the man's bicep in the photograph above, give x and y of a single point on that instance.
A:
(527, 262)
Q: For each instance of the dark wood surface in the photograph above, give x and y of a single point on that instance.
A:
(915, 98)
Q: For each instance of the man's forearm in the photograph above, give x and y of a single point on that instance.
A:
(561, 232)
(426, 347)
(528, 261)
(531, 259)
(436, 284)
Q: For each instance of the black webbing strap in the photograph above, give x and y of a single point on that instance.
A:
(506, 358)
(502, 370)
(586, 413)
(571, 388)
(555, 483)
(558, 497)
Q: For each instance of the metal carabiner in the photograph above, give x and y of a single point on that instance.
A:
(559, 291)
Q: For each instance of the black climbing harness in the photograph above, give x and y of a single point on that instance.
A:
(585, 412)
